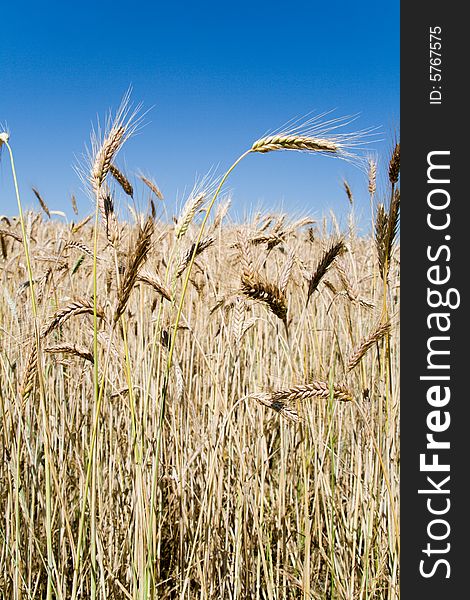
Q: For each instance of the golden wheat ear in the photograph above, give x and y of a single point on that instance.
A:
(318, 135)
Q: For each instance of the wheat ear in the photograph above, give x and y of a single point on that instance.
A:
(315, 389)
(80, 306)
(122, 180)
(42, 203)
(379, 332)
(325, 262)
(256, 288)
(136, 260)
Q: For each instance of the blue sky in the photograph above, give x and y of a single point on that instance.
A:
(216, 76)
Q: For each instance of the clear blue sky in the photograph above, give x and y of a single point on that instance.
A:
(218, 76)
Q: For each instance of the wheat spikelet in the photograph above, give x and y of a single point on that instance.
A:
(286, 272)
(294, 142)
(12, 234)
(3, 245)
(152, 280)
(381, 229)
(349, 290)
(372, 175)
(42, 204)
(122, 180)
(325, 262)
(152, 186)
(186, 257)
(73, 202)
(101, 159)
(105, 155)
(136, 259)
(30, 373)
(80, 306)
(393, 219)
(76, 228)
(315, 135)
(221, 212)
(315, 389)
(190, 208)
(379, 332)
(81, 247)
(281, 407)
(246, 255)
(108, 216)
(347, 189)
(386, 227)
(238, 320)
(73, 349)
(394, 165)
(256, 288)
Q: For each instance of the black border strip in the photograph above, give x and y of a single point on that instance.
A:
(425, 128)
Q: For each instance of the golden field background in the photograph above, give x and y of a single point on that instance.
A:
(199, 409)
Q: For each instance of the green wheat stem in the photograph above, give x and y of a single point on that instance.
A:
(47, 474)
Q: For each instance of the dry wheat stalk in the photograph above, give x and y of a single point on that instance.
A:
(80, 306)
(349, 290)
(379, 332)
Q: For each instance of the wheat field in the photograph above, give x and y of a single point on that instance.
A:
(203, 408)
